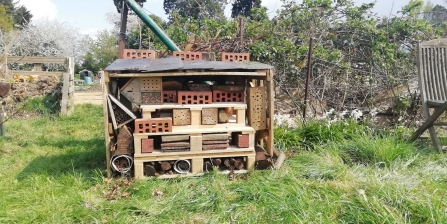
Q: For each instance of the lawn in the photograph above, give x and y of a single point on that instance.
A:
(52, 170)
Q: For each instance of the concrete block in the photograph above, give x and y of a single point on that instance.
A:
(209, 116)
(181, 117)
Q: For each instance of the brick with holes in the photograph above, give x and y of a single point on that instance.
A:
(194, 97)
(228, 96)
(188, 56)
(132, 54)
(169, 96)
(226, 56)
(153, 125)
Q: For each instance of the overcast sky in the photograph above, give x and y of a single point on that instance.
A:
(89, 15)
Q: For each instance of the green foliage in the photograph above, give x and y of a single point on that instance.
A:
(315, 133)
(6, 22)
(244, 7)
(103, 51)
(196, 9)
(46, 105)
(19, 13)
(371, 150)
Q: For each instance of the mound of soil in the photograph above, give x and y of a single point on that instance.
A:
(44, 86)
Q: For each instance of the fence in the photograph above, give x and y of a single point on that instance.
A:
(67, 103)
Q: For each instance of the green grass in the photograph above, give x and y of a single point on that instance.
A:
(52, 171)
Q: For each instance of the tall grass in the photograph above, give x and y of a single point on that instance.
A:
(52, 171)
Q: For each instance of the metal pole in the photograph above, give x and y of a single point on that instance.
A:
(124, 13)
(151, 24)
(309, 73)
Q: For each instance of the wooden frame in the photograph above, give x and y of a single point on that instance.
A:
(260, 78)
(67, 102)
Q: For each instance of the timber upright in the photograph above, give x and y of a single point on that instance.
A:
(184, 115)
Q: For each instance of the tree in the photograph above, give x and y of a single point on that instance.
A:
(103, 51)
(243, 7)
(6, 21)
(20, 14)
(196, 9)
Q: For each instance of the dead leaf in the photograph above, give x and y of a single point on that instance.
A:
(157, 192)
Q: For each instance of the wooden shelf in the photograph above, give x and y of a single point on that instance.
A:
(197, 154)
(198, 129)
(170, 176)
(235, 105)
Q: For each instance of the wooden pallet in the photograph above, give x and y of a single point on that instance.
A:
(196, 162)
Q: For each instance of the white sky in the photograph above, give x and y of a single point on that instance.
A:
(89, 15)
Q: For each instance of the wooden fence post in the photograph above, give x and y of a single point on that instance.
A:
(67, 102)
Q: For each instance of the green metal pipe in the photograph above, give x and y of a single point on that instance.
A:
(152, 25)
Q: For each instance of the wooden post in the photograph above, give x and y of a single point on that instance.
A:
(108, 141)
(71, 69)
(65, 90)
(271, 110)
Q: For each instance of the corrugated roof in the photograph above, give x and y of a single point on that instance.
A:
(175, 63)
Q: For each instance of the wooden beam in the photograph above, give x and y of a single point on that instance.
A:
(36, 60)
(105, 90)
(271, 110)
(28, 73)
(116, 75)
(429, 122)
(65, 96)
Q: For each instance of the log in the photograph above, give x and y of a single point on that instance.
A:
(149, 170)
(172, 85)
(239, 164)
(263, 164)
(280, 160)
(217, 162)
(227, 162)
(165, 166)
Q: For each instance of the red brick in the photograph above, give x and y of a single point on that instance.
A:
(195, 97)
(169, 96)
(228, 96)
(132, 53)
(153, 125)
(225, 56)
(242, 141)
(147, 145)
(188, 56)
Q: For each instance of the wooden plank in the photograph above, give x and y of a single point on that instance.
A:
(105, 90)
(231, 151)
(174, 138)
(215, 137)
(34, 60)
(28, 73)
(119, 104)
(196, 143)
(270, 109)
(65, 88)
(37, 67)
(197, 165)
(161, 74)
(112, 114)
(165, 106)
